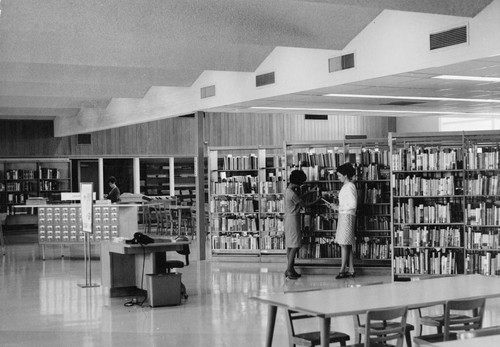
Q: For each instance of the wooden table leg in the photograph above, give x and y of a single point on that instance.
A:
(271, 320)
(324, 327)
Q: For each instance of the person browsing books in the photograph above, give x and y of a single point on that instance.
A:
(348, 201)
(293, 203)
(114, 194)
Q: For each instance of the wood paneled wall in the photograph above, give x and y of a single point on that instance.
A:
(176, 136)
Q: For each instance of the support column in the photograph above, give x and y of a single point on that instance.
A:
(200, 185)
(102, 182)
(137, 176)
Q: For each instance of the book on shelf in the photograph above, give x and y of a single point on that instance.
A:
(481, 213)
(432, 237)
(482, 239)
(483, 157)
(235, 242)
(484, 263)
(416, 158)
(426, 262)
(420, 186)
(235, 223)
(245, 162)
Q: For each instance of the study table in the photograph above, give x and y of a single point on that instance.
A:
(122, 264)
(483, 341)
(337, 302)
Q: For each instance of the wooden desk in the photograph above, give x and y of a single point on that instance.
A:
(484, 341)
(121, 264)
(325, 304)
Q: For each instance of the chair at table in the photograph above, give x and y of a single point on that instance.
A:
(383, 327)
(178, 264)
(360, 328)
(457, 322)
(312, 338)
(479, 332)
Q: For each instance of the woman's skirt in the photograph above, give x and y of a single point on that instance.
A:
(345, 229)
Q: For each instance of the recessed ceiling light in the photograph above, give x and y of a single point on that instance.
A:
(469, 78)
(428, 98)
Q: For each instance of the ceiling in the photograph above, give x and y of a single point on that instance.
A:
(68, 59)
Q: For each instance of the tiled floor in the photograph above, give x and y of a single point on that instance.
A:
(42, 305)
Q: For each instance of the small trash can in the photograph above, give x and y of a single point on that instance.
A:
(164, 289)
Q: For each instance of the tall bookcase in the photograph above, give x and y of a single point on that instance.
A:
(482, 207)
(319, 161)
(246, 201)
(25, 178)
(428, 203)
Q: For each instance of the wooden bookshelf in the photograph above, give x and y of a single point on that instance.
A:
(319, 160)
(22, 179)
(246, 201)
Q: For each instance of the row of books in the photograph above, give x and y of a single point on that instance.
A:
(483, 185)
(49, 185)
(376, 156)
(372, 172)
(484, 158)
(272, 205)
(375, 223)
(482, 239)
(235, 185)
(419, 186)
(234, 224)
(328, 248)
(235, 242)
(50, 173)
(272, 223)
(234, 205)
(427, 158)
(423, 237)
(426, 262)
(245, 162)
(272, 187)
(487, 263)
(327, 222)
(374, 195)
(20, 174)
(17, 198)
(18, 186)
(409, 212)
(273, 242)
(329, 159)
(482, 214)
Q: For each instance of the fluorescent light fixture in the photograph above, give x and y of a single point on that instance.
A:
(469, 78)
(428, 98)
(305, 109)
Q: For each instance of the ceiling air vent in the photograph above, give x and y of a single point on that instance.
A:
(207, 92)
(264, 79)
(84, 139)
(448, 38)
(342, 62)
(316, 116)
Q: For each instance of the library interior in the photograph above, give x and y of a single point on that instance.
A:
(197, 112)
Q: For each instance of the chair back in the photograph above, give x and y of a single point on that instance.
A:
(394, 331)
(460, 322)
(479, 332)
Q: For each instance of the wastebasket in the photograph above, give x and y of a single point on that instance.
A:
(164, 289)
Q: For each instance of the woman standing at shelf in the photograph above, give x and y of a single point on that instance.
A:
(348, 201)
(293, 203)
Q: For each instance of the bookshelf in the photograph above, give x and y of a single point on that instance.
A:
(319, 161)
(428, 204)
(482, 210)
(246, 201)
(22, 179)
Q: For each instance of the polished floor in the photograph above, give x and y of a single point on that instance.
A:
(42, 304)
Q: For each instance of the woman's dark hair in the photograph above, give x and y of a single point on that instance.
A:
(298, 177)
(112, 179)
(346, 170)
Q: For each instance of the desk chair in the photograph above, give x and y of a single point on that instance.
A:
(479, 332)
(457, 322)
(312, 338)
(360, 328)
(178, 264)
(383, 326)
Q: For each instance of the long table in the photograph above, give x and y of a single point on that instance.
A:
(485, 341)
(329, 303)
(122, 264)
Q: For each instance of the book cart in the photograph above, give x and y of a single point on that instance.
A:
(246, 201)
(319, 161)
